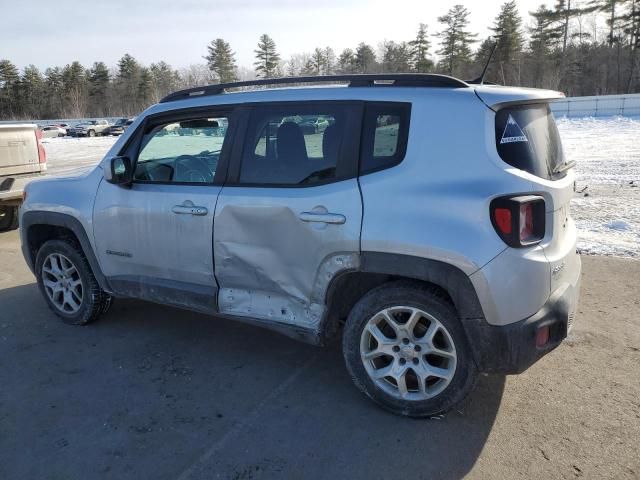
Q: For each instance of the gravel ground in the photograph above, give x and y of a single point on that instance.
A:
(153, 392)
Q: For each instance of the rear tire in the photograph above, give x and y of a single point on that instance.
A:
(405, 349)
(8, 218)
(67, 283)
(91, 133)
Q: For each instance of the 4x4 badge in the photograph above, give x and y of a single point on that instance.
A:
(512, 132)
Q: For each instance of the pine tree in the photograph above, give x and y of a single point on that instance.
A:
(164, 78)
(396, 57)
(267, 57)
(329, 61)
(99, 79)
(55, 93)
(420, 51)
(347, 62)
(127, 82)
(31, 92)
(9, 78)
(317, 62)
(455, 41)
(507, 30)
(221, 61)
(74, 82)
(365, 59)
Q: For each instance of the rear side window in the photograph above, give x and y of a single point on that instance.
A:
(527, 138)
(384, 136)
(297, 145)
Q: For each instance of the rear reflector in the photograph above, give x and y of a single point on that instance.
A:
(542, 336)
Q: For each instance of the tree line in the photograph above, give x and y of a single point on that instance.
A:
(561, 48)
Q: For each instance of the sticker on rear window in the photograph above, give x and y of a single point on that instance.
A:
(512, 132)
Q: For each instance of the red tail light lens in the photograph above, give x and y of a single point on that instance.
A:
(503, 220)
(42, 155)
(519, 221)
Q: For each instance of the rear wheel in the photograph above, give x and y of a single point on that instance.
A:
(405, 349)
(68, 284)
(91, 133)
(8, 218)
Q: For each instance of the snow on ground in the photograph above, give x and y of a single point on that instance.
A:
(606, 206)
(607, 151)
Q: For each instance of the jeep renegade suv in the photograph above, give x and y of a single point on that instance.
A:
(427, 224)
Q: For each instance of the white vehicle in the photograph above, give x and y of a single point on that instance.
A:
(426, 223)
(22, 158)
(90, 128)
(53, 131)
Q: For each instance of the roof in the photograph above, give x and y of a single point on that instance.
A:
(425, 80)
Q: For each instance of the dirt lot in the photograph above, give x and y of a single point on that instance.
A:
(152, 392)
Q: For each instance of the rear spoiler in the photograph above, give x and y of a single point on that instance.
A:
(496, 97)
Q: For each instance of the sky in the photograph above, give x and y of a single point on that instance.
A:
(49, 33)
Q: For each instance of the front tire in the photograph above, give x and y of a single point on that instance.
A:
(8, 218)
(405, 348)
(91, 133)
(67, 283)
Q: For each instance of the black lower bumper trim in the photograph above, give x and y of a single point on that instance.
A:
(512, 348)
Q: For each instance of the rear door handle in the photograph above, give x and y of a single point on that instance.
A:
(187, 209)
(334, 218)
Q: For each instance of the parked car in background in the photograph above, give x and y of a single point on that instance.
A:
(22, 158)
(53, 131)
(90, 128)
(118, 127)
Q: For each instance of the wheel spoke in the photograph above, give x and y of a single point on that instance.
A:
(391, 321)
(401, 380)
(377, 334)
(413, 320)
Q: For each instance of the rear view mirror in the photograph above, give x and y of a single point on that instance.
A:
(199, 123)
(120, 171)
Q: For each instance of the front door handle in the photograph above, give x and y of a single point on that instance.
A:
(317, 217)
(188, 208)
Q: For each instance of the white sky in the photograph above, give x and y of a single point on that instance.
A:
(57, 32)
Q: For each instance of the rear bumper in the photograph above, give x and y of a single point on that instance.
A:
(16, 184)
(511, 349)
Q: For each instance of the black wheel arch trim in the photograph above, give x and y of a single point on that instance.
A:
(56, 219)
(448, 277)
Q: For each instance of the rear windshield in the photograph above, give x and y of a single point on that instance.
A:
(527, 138)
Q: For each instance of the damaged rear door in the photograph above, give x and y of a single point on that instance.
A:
(289, 216)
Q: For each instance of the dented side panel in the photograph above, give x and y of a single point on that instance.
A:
(272, 264)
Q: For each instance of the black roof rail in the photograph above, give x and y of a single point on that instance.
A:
(360, 80)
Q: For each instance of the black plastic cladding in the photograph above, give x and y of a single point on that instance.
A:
(429, 80)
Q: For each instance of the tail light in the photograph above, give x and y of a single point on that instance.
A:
(519, 221)
(42, 155)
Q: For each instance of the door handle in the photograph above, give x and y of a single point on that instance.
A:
(334, 218)
(189, 210)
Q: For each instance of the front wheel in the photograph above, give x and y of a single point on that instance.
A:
(406, 350)
(8, 218)
(67, 283)
(91, 133)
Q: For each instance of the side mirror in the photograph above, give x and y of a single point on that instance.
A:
(120, 171)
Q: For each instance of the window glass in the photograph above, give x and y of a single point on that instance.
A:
(182, 152)
(527, 138)
(384, 136)
(293, 146)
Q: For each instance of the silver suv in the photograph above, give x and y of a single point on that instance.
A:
(426, 225)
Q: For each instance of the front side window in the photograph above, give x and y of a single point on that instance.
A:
(295, 145)
(182, 152)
